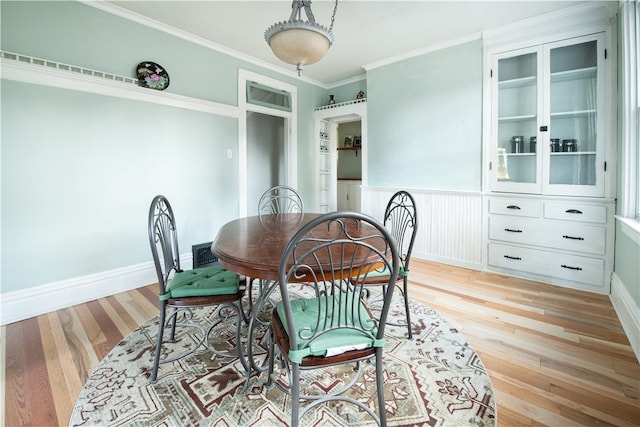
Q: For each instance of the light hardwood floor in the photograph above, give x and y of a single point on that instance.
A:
(556, 357)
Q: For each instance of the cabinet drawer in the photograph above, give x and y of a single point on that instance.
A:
(563, 266)
(561, 235)
(514, 230)
(573, 237)
(575, 212)
(518, 207)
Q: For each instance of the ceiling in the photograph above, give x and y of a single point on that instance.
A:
(366, 32)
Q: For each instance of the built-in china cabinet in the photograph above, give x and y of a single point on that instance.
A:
(550, 156)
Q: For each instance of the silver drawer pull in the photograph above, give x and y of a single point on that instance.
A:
(572, 238)
(571, 268)
(573, 211)
(516, 207)
(517, 258)
(512, 231)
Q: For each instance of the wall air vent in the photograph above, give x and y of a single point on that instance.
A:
(202, 255)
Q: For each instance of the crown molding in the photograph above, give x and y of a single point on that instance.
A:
(423, 51)
(157, 25)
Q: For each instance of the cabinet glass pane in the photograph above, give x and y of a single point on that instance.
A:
(517, 118)
(573, 98)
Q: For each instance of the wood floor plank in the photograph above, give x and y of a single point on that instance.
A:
(39, 398)
(59, 391)
(91, 329)
(130, 302)
(17, 410)
(109, 330)
(72, 377)
(80, 346)
(119, 316)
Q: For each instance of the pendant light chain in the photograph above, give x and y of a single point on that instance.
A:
(333, 17)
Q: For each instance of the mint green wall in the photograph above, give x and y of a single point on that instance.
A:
(79, 170)
(627, 267)
(425, 121)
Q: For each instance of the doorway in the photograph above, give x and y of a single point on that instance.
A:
(336, 123)
(266, 166)
(266, 138)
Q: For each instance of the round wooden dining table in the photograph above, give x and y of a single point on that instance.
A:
(252, 246)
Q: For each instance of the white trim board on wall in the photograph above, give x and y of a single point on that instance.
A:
(627, 312)
(27, 70)
(27, 303)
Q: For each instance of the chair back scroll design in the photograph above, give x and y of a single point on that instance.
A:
(280, 199)
(333, 325)
(400, 217)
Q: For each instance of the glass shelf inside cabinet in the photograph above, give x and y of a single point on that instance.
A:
(577, 74)
(517, 118)
(516, 83)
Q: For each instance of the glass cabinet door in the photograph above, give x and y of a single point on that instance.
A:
(547, 120)
(574, 152)
(516, 122)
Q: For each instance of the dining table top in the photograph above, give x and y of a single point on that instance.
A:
(252, 246)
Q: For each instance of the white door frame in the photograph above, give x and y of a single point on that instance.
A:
(341, 114)
(291, 136)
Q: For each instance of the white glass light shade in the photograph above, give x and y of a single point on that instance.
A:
(299, 46)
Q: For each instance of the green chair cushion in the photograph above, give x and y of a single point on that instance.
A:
(206, 281)
(305, 315)
(385, 272)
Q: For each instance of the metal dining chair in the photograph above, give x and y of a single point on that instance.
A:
(331, 325)
(276, 200)
(181, 291)
(400, 217)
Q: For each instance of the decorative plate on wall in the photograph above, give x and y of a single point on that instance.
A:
(152, 75)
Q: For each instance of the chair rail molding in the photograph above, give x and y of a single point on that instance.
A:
(26, 69)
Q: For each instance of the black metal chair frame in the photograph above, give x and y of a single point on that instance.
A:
(163, 240)
(277, 199)
(337, 281)
(400, 217)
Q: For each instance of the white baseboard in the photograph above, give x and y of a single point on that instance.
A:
(449, 261)
(627, 313)
(23, 304)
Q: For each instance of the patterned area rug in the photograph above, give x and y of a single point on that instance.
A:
(436, 379)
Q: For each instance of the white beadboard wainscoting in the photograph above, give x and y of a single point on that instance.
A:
(449, 223)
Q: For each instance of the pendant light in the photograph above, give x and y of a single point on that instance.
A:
(299, 42)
